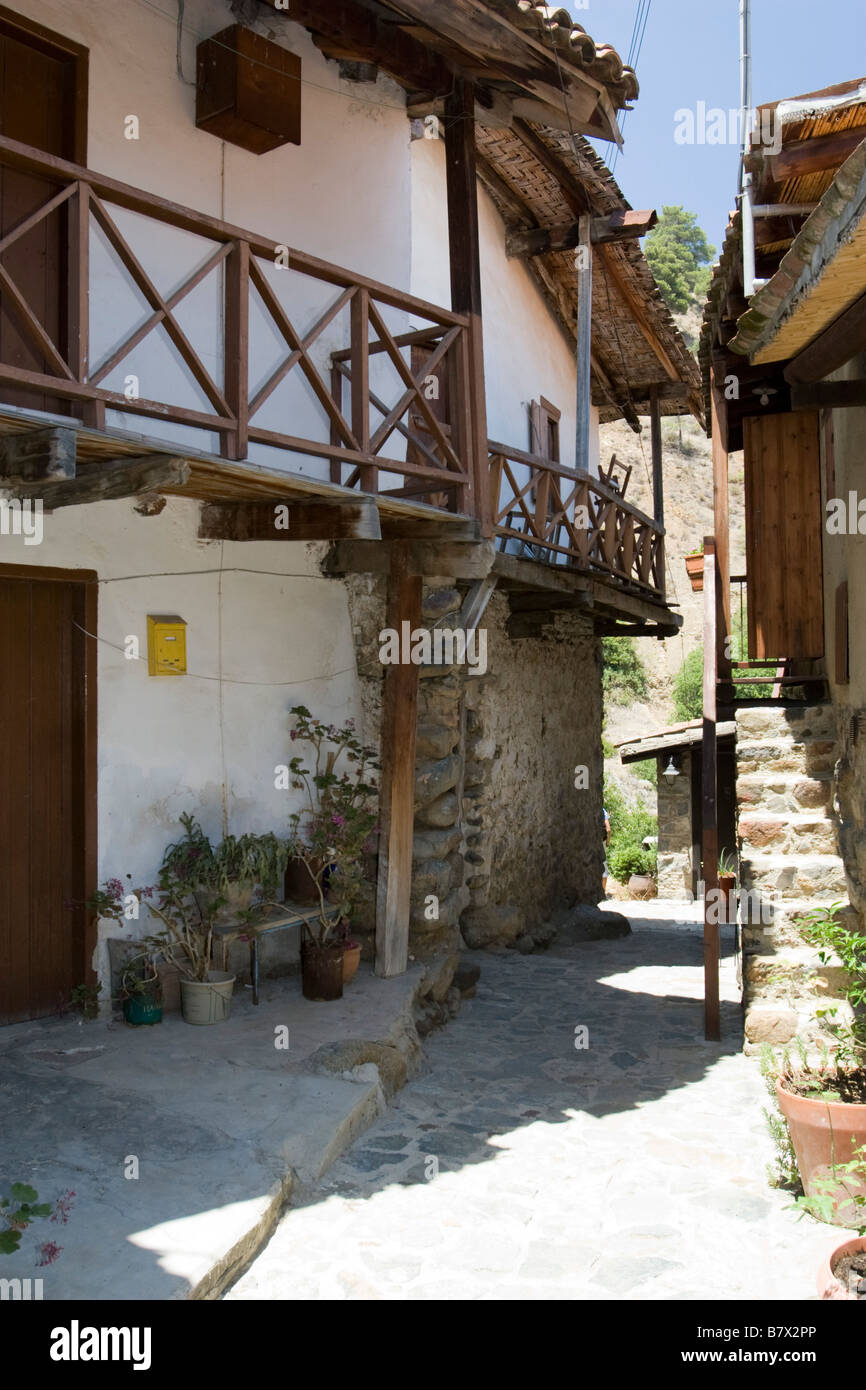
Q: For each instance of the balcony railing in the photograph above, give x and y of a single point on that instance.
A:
(565, 516)
(260, 302)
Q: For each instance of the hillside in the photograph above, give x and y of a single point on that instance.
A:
(688, 500)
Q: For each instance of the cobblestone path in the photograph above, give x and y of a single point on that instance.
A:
(517, 1165)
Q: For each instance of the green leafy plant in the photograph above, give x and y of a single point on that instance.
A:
(623, 675)
(630, 859)
(19, 1208)
(140, 978)
(846, 1184)
(783, 1170)
(85, 1000)
(727, 864)
(335, 828)
(197, 881)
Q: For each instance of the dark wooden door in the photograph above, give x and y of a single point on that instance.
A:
(44, 815)
(41, 96)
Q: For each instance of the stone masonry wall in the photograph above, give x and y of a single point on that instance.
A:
(535, 843)
(503, 838)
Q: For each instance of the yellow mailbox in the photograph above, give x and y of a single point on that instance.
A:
(166, 645)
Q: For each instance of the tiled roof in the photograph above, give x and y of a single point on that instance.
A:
(574, 44)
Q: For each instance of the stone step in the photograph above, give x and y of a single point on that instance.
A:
(799, 724)
(789, 833)
(811, 759)
(787, 793)
(773, 925)
(819, 877)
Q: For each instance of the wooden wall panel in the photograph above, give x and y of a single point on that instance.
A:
(784, 530)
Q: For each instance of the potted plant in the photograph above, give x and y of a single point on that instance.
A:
(695, 568)
(635, 866)
(728, 883)
(141, 991)
(843, 1274)
(330, 835)
(823, 1100)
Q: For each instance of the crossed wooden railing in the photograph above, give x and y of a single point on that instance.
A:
(565, 516)
(357, 424)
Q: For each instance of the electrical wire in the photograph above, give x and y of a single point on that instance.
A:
(228, 680)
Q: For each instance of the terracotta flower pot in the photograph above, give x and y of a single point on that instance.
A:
(695, 571)
(829, 1286)
(728, 887)
(642, 887)
(321, 971)
(825, 1134)
(351, 961)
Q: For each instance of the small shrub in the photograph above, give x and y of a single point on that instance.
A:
(689, 687)
(623, 675)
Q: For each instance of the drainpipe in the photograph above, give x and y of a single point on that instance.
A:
(747, 212)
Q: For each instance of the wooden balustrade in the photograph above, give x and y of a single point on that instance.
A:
(436, 459)
(553, 511)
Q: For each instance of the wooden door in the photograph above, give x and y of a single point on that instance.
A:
(47, 711)
(784, 529)
(42, 104)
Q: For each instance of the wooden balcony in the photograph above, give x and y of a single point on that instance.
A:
(334, 328)
(384, 405)
(562, 516)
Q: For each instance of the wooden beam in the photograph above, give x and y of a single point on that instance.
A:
(829, 395)
(844, 339)
(584, 346)
(464, 245)
(397, 778)
(357, 33)
(802, 157)
(460, 559)
(721, 527)
(105, 482)
(289, 521)
(709, 798)
(617, 226)
(38, 455)
(657, 457)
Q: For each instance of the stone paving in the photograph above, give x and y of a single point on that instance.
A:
(520, 1166)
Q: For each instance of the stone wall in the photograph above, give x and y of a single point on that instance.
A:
(675, 831)
(503, 838)
(534, 838)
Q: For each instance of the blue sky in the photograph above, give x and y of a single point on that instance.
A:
(690, 54)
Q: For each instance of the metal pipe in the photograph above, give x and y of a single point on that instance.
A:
(746, 212)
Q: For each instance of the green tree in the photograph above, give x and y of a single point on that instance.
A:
(689, 687)
(679, 255)
(623, 675)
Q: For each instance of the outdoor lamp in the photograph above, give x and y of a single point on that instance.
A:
(670, 771)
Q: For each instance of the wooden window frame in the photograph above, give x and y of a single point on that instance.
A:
(544, 419)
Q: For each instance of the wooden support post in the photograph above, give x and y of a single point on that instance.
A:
(709, 800)
(584, 343)
(658, 457)
(237, 331)
(397, 778)
(721, 527)
(465, 250)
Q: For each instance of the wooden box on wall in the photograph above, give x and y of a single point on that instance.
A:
(248, 90)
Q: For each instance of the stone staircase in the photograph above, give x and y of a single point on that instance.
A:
(789, 862)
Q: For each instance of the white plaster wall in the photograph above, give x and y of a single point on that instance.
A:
(526, 353)
(255, 613)
(343, 195)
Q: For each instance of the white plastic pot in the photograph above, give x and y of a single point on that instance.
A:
(207, 1001)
